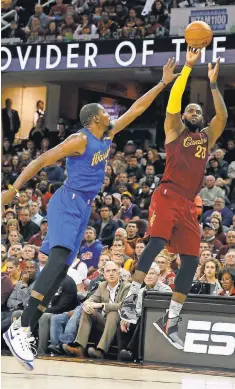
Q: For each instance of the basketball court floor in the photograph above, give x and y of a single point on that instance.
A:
(50, 374)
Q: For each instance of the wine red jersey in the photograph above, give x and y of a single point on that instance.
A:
(186, 158)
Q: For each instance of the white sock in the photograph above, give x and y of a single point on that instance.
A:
(134, 289)
(174, 309)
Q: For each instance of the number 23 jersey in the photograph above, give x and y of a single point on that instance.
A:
(186, 159)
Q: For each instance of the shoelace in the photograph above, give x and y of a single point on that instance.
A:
(27, 341)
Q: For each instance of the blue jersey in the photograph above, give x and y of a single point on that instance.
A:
(85, 173)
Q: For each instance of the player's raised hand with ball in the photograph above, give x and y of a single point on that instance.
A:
(213, 72)
(192, 56)
(168, 71)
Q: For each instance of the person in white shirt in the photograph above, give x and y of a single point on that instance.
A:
(39, 112)
(35, 217)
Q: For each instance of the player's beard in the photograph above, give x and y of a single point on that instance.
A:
(193, 127)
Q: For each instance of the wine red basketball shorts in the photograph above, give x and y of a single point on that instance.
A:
(174, 218)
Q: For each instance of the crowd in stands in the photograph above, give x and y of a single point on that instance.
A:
(86, 19)
(84, 310)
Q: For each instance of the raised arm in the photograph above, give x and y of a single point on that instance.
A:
(173, 123)
(218, 123)
(146, 100)
(74, 144)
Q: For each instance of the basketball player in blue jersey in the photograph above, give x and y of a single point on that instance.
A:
(69, 209)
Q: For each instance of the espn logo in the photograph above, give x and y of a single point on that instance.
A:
(201, 342)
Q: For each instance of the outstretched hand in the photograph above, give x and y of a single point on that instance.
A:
(7, 196)
(192, 56)
(213, 72)
(168, 71)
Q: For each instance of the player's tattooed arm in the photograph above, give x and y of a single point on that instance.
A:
(146, 100)
(75, 144)
(218, 123)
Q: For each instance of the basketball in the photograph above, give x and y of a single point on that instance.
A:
(198, 35)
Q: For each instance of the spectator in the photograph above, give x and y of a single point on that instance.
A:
(29, 192)
(219, 206)
(13, 270)
(219, 155)
(208, 279)
(52, 31)
(36, 32)
(38, 238)
(42, 261)
(55, 173)
(96, 17)
(132, 234)
(108, 297)
(3, 258)
(203, 246)
(41, 16)
(204, 256)
(229, 258)
(34, 211)
(167, 276)
(230, 240)
(210, 192)
(154, 158)
(27, 227)
(107, 186)
(128, 211)
(216, 170)
(219, 234)
(90, 251)
(106, 26)
(15, 31)
(121, 15)
(134, 168)
(13, 237)
(109, 7)
(149, 173)
(12, 225)
(227, 280)
(109, 200)
(208, 235)
(39, 132)
(15, 250)
(68, 28)
(39, 111)
(23, 200)
(64, 300)
(144, 198)
(10, 121)
(58, 11)
(225, 188)
(98, 275)
(230, 154)
(85, 28)
(106, 227)
(28, 252)
(122, 235)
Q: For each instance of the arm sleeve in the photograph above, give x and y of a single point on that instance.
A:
(175, 99)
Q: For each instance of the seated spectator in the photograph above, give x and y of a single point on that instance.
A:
(203, 246)
(230, 245)
(108, 299)
(38, 238)
(106, 26)
(39, 132)
(134, 168)
(91, 250)
(68, 28)
(42, 261)
(208, 234)
(52, 32)
(209, 193)
(219, 216)
(167, 276)
(106, 227)
(227, 280)
(12, 225)
(219, 155)
(23, 200)
(3, 258)
(109, 7)
(28, 252)
(122, 235)
(204, 256)
(58, 11)
(219, 206)
(219, 234)
(15, 250)
(64, 300)
(107, 186)
(149, 173)
(96, 17)
(13, 270)
(216, 170)
(81, 6)
(13, 237)
(30, 193)
(225, 188)
(41, 16)
(15, 31)
(132, 234)
(144, 198)
(208, 280)
(154, 158)
(230, 154)
(44, 190)
(36, 32)
(109, 200)
(229, 259)
(34, 211)
(55, 173)
(85, 28)
(121, 15)
(27, 227)
(19, 297)
(128, 211)
(127, 334)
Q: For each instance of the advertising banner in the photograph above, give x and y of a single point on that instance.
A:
(221, 19)
(109, 54)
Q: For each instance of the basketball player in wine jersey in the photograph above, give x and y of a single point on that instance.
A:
(173, 214)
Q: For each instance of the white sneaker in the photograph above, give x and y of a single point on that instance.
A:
(18, 340)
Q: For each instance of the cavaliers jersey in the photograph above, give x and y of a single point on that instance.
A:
(186, 159)
(85, 173)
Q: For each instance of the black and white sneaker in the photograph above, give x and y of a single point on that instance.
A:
(169, 328)
(128, 309)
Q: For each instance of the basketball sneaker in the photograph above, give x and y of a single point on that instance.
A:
(128, 309)
(169, 328)
(19, 339)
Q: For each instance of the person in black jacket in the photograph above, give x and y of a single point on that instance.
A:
(106, 227)
(27, 227)
(10, 121)
(65, 300)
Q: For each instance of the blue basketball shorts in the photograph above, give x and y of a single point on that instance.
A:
(68, 214)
